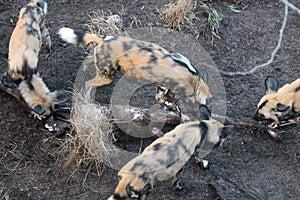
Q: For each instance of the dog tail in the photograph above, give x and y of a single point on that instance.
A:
(78, 37)
(42, 4)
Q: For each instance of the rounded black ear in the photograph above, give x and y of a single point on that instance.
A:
(204, 113)
(204, 75)
(271, 84)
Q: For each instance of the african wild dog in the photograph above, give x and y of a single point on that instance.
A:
(144, 61)
(279, 104)
(166, 156)
(24, 47)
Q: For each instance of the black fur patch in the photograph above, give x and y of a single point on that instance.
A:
(185, 65)
(157, 147)
(28, 71)
(149, 49)
(80, 36)
(31, 10)
(32, 31)
(136, 165)
(297, 89)
(127, 46)
(173, 155)
(40, 4)
(144, 177)
(18, 81)
(118, 197)
(263, 104)
(153, 59)
(203, 131)
(30, 86)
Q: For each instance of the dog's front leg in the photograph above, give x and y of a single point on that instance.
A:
(47, 37)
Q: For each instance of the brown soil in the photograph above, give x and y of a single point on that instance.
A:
(249, 164)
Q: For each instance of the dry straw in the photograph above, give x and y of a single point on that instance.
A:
(90, 143)
(178, 14)
(104, 23)
(183, 14)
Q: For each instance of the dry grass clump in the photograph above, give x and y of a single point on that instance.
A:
(179, 13)
(90, 143)
(183, 14)
(104, 22)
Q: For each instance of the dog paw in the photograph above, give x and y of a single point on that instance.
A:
(60, 96)
(179, 185)
(203, 164)
(7, 82)
(10, 87)
(40, 112)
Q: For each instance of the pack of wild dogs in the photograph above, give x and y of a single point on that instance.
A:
(181, 88)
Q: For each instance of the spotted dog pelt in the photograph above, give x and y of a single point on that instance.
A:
(24, 48)
(279, 105)
(144, 61)
(164, 158)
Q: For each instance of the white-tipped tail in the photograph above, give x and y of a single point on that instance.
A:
(68, 35)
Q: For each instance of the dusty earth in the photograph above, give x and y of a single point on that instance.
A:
(249, 164)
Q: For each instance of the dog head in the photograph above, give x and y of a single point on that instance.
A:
(275, 105)
(131, 186)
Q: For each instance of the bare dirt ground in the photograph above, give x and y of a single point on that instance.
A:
(249, 164)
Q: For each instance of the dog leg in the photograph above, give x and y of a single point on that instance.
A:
(178, 185)
(47, 37)
(98, 80)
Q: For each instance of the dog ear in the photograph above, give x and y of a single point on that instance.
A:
(271, 84)
(204, 75)
(204, 113)
(42, 4)
(281, 107)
